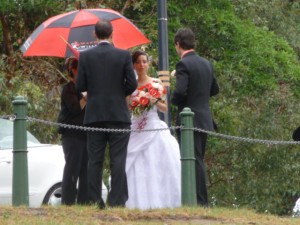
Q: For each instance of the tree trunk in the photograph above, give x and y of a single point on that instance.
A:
(8, 47)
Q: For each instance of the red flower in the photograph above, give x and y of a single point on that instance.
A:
(141, 88)
(154, 92)
(144, 101)
(148, 86)
(134, 103)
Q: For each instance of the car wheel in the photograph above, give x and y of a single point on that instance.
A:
(53, 196)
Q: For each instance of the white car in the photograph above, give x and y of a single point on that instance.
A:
(45, 169)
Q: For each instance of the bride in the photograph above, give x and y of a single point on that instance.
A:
(153, 160)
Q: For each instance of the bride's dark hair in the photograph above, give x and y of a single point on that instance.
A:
(137, 53)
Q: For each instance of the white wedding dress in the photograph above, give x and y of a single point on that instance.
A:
(153, 165)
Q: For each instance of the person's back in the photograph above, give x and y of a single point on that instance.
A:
(105, 65)
(200, 81)
(107, 74)
(198, 92)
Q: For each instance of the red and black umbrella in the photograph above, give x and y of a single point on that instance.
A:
(76, 28)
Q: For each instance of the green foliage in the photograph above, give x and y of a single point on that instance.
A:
(6, 96)
(25, 15)
(280, 16)
(43, 98)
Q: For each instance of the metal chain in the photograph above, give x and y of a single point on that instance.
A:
(251, 140)
(30, 119)
(9, 117)
(212, 133)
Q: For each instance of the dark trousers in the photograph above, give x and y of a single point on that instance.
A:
(118, 142)
(75, 169)
(200, 140)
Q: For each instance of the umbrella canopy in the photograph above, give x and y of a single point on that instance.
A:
(51, 38)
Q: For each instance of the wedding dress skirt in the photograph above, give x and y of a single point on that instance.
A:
(153, 165)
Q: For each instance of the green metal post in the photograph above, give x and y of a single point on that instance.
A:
(20, 193)
(188, 177)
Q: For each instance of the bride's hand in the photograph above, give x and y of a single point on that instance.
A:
(162, 106)
(153, 100)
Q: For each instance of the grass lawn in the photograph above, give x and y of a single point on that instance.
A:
(91, 215)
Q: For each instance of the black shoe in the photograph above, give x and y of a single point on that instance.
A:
(101, 204)
(203, 205)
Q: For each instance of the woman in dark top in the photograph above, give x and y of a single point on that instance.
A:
(73, 140)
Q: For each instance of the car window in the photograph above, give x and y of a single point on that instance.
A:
(6, 135)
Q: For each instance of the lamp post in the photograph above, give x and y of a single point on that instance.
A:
(163, 64)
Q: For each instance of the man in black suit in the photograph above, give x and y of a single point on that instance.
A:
(195, 83)
(107, 74)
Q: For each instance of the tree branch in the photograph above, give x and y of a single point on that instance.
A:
(126, 6)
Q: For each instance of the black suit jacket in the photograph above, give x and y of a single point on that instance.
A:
(195, 84)
(107, 74)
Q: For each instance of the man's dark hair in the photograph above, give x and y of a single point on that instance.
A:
(103, 29)
(186, 38)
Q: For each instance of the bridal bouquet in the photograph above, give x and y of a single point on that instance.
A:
(145, 97)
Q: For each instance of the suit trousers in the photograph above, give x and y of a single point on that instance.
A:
(75, 169)
(200, 140)
(97, 142)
